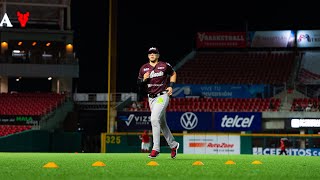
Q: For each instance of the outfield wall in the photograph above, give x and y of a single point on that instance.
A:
(189, 143)
(41, 141)
(214, 143)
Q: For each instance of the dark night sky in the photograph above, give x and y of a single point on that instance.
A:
(170, 26)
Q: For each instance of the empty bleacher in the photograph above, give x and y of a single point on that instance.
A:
(32, 104)
(218, 104)
(12, 129)
(237, 68)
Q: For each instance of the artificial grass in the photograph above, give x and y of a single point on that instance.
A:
(134, 166)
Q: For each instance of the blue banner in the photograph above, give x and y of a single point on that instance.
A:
(133, 121)
(238, 121)
(290, 151)
(218, 91)
(190, 121)
(193, 121)
(177, 121)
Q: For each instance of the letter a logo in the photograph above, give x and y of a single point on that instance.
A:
(5, 21)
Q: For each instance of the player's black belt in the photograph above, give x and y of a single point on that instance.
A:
(156, 95)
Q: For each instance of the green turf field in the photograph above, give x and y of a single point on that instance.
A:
(135, 166)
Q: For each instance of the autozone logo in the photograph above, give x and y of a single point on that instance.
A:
(189, 120)
(210, 145)
(140, 120)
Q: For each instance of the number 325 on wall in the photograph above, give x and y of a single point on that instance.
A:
(113, 139)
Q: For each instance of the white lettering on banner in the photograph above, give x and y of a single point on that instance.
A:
(204, 37)
(5, 20)
(212, 94)
(220, 44)
(236, 121)
(297, 123)
(291, 152)
(273, 38)
(140, 120)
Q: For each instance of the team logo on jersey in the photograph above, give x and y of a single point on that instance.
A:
(154, 74)
(146, 69)
(161, 67)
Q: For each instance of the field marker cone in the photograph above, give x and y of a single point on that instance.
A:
(98, 163)
(256, 162)
(50, 165)
(153, 163)
(197, 163)
(230, 162)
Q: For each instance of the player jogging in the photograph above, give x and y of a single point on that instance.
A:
(154, 75)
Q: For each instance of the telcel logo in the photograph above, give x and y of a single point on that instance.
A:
(236, 121)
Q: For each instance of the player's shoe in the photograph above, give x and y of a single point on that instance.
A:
(153, 154)
(174, 151)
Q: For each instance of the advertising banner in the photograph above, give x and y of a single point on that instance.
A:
(19, 120)
(308, 38)
(221, 40)
(218, 91)
(238, 121)
(177, 121)
(211, 144)
(290, 151)
(309, 123)
(133, 121)
(190, 121)
(193, 121)
(275, 39)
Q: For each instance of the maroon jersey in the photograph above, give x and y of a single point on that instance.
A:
(145, 137)
(158, 78)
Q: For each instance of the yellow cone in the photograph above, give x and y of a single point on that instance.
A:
(197, 163)
(98, 163)
(230, 162)
(153, 163)
(256, 162)
(50, 165)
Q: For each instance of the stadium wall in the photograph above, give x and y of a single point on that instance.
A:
(41, 141)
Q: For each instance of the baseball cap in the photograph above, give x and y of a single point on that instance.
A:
(153, 50)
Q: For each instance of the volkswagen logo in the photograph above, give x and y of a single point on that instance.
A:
(188, 120)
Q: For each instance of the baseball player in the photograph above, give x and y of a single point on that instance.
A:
(282, 147)
(154, 75)
(145, 141)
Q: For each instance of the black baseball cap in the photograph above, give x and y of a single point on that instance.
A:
(153, 50)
